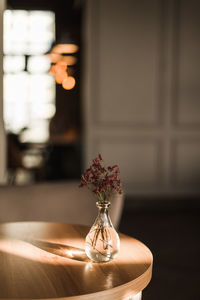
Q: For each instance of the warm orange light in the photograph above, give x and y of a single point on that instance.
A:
(54, 57)
(53, 70)
(65, 48)
(68, 83)
(59, 71)
(61, 65)
(70, 60)
(60, 76)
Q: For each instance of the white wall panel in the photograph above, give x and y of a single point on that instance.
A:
(139, 160)
(186, 162)
(127, 68)
(143, 92)
(187, 63)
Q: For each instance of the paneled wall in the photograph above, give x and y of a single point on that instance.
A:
(142, 92)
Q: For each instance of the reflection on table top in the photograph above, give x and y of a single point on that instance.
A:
(46, 260)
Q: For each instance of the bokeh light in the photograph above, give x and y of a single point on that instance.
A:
(65, 48)
(69, 83)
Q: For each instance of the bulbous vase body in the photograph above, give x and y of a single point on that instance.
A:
(102, 243)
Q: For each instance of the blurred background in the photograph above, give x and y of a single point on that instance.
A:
(120, 78)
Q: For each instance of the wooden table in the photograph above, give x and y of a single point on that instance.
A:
(41, 260)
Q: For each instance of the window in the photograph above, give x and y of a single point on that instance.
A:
(29, 90)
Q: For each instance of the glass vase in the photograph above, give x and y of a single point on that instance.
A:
(102, 242)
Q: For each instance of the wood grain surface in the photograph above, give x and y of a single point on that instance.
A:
(47, 260)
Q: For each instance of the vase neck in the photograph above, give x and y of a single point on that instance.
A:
(103, 205)
(103, 216)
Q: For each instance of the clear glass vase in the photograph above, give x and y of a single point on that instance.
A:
(102, 242)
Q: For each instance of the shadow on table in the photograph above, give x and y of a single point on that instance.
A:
(61, 250)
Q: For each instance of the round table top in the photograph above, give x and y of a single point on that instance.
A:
(41, 260)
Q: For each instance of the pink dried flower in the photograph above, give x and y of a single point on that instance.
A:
(102, 180)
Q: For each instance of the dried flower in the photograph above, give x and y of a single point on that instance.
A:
(102, 180)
